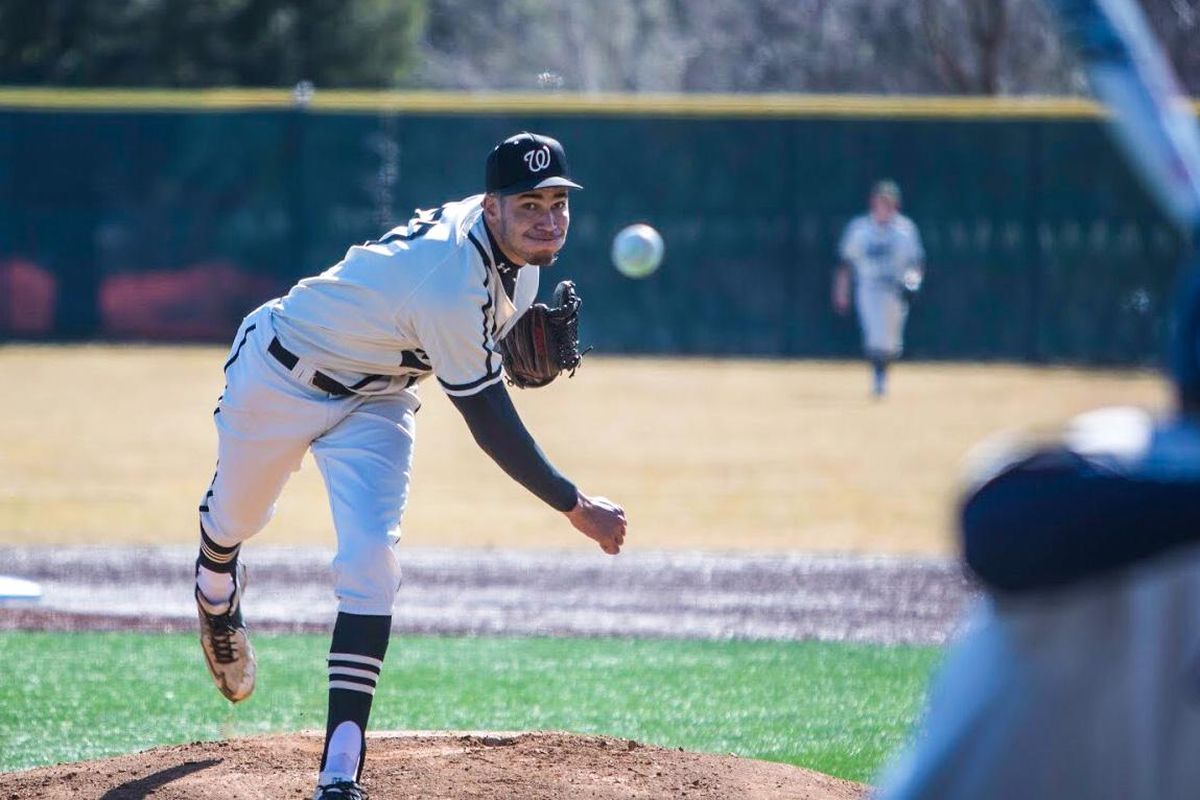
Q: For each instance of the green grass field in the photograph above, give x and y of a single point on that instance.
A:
(840, 709)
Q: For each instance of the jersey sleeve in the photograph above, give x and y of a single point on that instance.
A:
(459, 337)
(1111, 493)
(846, 247)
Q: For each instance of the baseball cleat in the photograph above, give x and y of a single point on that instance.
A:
(226, 646)
(340, 790)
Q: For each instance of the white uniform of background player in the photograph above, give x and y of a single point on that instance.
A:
(332, 368)
(881, 255)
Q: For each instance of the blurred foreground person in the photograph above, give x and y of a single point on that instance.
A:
(1078, 674)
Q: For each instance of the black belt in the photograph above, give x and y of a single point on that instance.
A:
(319, 379)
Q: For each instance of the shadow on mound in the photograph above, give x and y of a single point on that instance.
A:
(423, 766)
(142, 787)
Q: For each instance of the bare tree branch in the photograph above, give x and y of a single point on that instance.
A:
(937, 37)
(989, 26)
(869, 46)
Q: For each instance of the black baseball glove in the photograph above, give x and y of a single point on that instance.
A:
(544, 341)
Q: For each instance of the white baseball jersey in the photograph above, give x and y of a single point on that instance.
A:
(879, 255)
(425, 299)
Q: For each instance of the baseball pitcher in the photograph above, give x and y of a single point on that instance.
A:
(881, 255)
(333, 368)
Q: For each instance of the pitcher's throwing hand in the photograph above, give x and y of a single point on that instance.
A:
(601, 520)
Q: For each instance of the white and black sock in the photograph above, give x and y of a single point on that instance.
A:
(355, 660)
(215, 568)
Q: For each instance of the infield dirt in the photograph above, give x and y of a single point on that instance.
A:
(450, 766)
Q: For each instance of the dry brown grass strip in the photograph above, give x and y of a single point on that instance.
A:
(112, 444)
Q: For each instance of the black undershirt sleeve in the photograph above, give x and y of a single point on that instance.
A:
(499, 432)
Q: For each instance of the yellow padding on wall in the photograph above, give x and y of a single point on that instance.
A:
(554, 103)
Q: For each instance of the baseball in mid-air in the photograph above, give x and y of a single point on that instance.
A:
(637, 250)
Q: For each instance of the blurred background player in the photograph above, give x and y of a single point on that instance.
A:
(882, 257)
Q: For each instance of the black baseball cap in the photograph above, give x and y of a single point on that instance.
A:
(527, 161)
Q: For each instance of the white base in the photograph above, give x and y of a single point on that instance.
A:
(18, 589)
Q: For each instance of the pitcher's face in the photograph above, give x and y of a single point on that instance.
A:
(531, 227)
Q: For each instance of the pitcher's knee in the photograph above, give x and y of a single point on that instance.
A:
(233, 523)
(367, 578)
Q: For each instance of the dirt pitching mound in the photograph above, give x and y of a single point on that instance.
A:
(525, 766)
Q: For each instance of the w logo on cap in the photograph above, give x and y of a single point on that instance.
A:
(538, 159)
(526, 162)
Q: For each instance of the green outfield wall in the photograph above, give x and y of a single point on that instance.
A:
(167, 215)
